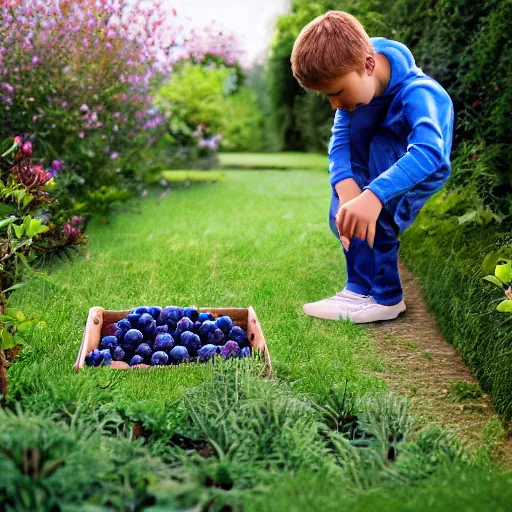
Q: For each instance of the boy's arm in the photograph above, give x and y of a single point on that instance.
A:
(339, 153)
(429, 111)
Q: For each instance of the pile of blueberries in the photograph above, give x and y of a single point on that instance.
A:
(172, 335)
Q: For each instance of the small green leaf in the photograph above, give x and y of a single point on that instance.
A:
(35, 227)
(14, 287)
(6, 339)
(505, 306)
(490, 261)
(26, 222)
(6, 222)
(504, 272)
(27, 200)
(25, 326)
(12, 313)
(494, 280)
(6, 210)
(19, 230)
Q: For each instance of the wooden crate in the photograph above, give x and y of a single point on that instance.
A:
(243, 317)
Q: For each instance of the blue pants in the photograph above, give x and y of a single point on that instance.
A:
(375, 271)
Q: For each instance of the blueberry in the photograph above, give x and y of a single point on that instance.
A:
(132, 338)
(108, 341)
(206, 327)
(161, 329)
(144, 320)
(230, 349)
(191, 342)
(207, 352)
(141, 310)
(149, 331)
(185, 324)
(179, 354)
(144, 350)
(136, 359)
(119, 334)
(245, 352)
(171, 313)
(159, 358)
(197, 326)
(191, 313)
(205, 316)
(133, 319)
(155, 311)
(124, 324)
(176, 334)
(237, 334)
(119, 354)
(96, 357)
(163, 341)
(106, 356)
(216, 337)
(225, 324)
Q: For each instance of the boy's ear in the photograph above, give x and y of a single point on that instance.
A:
(370, 63)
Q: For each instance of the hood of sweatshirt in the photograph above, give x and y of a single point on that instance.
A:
(403, 66)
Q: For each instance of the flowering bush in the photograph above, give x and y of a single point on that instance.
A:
(32, 224)
(76, 77)
(31, 228)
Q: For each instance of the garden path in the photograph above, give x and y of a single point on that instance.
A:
(422, 365)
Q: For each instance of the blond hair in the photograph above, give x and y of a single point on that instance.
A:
(331, 45)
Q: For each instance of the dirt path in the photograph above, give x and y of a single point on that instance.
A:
(421, 364)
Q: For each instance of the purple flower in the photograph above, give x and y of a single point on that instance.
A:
(77, 220)
(56, 166)
(8, 88)
(84, 108)
(81, 135)
(114, 155)
(35, 60)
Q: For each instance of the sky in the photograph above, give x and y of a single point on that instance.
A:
(252, 21)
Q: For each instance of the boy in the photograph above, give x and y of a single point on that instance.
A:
(388, 153)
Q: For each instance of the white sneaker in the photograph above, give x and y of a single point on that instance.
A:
(336, 307)
(370, 311)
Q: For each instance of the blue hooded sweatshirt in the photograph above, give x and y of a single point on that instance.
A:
(413, 108)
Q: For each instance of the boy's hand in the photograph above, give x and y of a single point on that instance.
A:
(358, 217)
(347, 190)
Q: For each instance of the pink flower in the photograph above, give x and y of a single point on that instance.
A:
(77, 220)
(71, 233)
(84, 108)
(27, 148)
(35, 60)
(114, 155)
(18, 140)
(81, 135)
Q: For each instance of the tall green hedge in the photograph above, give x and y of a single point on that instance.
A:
(464, 45)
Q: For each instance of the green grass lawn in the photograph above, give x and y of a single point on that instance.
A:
(240, 243)
(291, 160)
(222, 435)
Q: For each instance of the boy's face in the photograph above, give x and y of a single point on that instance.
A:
(352, 90)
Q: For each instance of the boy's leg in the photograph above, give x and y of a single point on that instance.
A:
(386, 285)
(360, 260)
